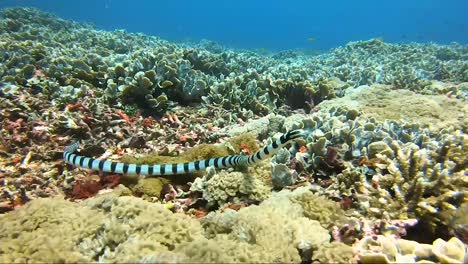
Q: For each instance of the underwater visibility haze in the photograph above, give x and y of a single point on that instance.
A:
(233, 131)
(272, 25)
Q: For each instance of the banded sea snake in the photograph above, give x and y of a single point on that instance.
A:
(177, 168)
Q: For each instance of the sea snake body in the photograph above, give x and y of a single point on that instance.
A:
(177, 168)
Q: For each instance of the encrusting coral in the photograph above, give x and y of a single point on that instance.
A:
(47, 230)
(318, 208)
(334, 252)
(255, 224)
(383, 249)
(379, 102)
(113, 228)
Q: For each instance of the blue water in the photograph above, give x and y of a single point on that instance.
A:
(272, 24)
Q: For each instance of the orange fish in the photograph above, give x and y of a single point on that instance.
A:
(246, 149)
(124, 116)
(303, 149)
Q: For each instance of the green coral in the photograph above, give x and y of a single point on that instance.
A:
(198, 152)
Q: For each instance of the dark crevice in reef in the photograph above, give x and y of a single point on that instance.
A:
(422, 232)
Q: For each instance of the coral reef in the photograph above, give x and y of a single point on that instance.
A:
(26, 233)
(152, 74)
(115, 228)
(382, 249)
(404, 171)
(230, 187)
(378, 102)
(379, 176)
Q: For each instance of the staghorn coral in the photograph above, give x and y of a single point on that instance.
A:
(459, 223)
(427, 183)
(390, 168)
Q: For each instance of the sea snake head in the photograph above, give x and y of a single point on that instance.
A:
(293, 134)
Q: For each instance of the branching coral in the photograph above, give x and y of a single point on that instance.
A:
(429, 183)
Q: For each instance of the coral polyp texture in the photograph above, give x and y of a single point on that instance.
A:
(377, 174)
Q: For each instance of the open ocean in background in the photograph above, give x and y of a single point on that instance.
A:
(272, 25)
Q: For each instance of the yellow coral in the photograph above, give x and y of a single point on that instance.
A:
(231, 186)
(318, 208)
(47, 230)
(382, 249)
(150, 186)
(335, 252)
(109, 228)
(277, 223)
